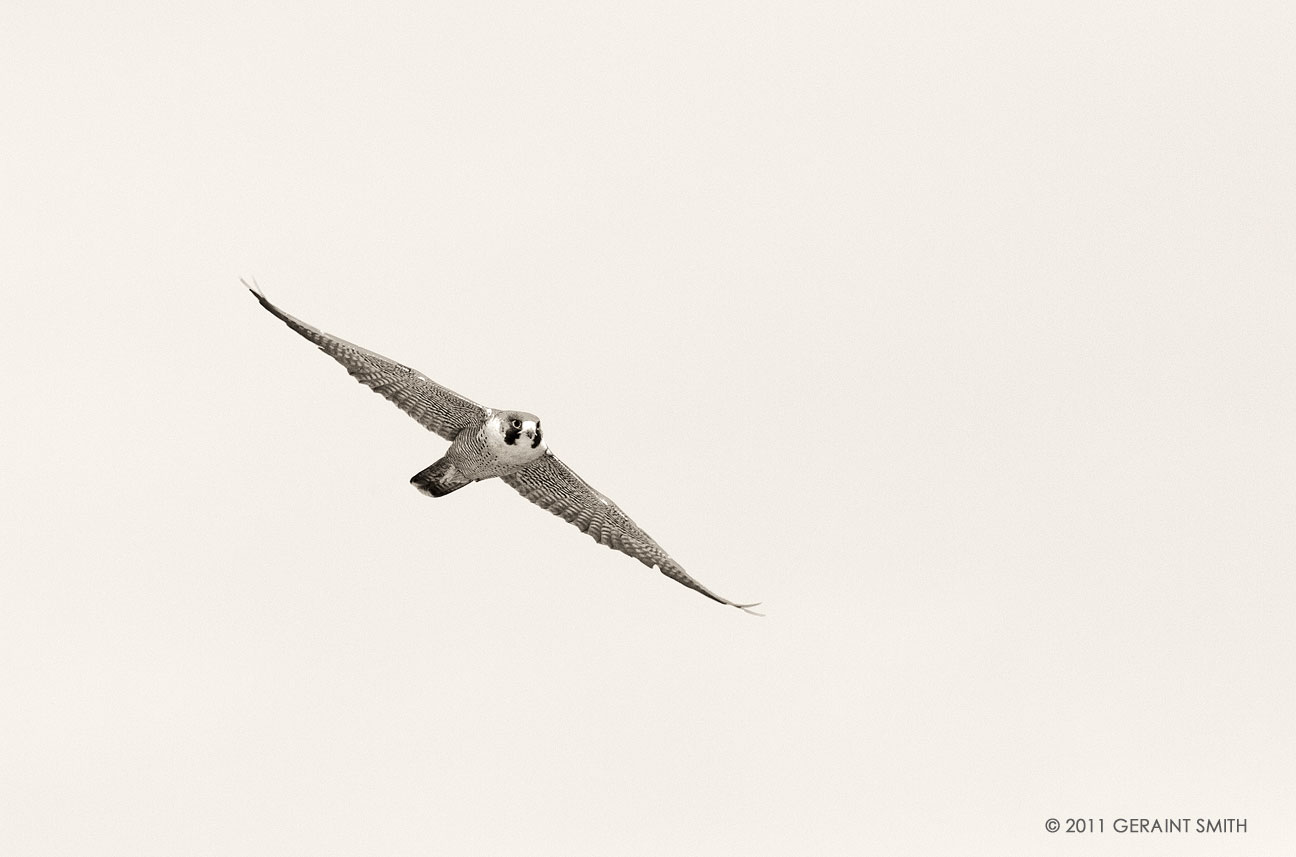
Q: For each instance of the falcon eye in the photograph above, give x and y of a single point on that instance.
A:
(517, 424)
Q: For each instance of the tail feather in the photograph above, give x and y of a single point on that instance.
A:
(439, 479)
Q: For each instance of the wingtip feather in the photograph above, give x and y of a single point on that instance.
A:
(254, 288)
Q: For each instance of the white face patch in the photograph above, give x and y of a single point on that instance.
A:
(532, 435)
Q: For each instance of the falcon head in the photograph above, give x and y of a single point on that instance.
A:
(519, 431)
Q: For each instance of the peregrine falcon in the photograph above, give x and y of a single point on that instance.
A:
(485, 443)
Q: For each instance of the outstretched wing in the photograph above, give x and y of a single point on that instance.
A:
(437, 408)
(552, 485)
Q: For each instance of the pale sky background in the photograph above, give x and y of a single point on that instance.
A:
(960, 335)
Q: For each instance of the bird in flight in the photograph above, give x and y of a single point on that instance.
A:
(485, 443)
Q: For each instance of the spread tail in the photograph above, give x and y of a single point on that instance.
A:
(439, 479)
